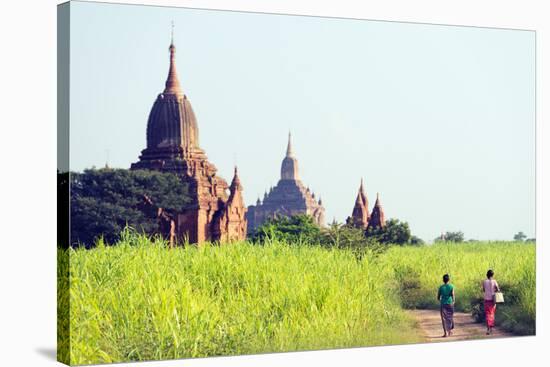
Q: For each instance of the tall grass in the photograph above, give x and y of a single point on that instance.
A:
(419, 270)
(141, 301)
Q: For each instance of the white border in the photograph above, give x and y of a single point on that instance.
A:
(28, 118)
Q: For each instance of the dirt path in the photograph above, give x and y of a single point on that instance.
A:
(429, 322)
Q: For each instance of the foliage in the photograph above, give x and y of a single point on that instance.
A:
(457, 236)
(394, 232)
(351, 238)
(139, 300)
(520, 236)
(298, 229)
(416, 241)
(104, 201)
(302, 230)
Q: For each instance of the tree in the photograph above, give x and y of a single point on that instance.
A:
(520, 236)
(454, 236)
(417, 241)
(299, 228)
(104, 201)
(346, 236)
(457, 236)
(394, 232)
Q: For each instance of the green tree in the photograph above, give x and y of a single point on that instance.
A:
(520, 236)
(394, 232)
(346, 236)
(417, 241)
(104, 201)
(457, 236)
(295, 229)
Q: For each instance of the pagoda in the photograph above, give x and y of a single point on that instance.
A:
(360, 215)
(173, 146)
(289, 197)
(377, 217)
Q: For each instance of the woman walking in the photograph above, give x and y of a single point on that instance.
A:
(446, 298)
(490, 287)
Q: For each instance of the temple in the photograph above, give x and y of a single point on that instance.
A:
(360, 217)
(377, 218)
(289, 197)
(360, 214)
(173, 146)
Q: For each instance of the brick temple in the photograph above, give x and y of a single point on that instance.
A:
(360, 216)
(173, 146)
(289, 197)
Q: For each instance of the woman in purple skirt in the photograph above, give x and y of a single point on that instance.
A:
(446, 298)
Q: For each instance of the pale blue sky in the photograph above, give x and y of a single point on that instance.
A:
(439, 119)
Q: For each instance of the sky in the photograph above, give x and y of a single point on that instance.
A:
(440, 120)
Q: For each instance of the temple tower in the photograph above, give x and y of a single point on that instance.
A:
(377, 217)
(173, 146)
(360, 214)
(289, 167)
(233, 222)
(172, 130)
(289, 197)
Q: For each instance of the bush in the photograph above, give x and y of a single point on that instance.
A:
(520, 236)
(351, 238)
(302, 230)
(411, 292)
(299, 229)
(457, 236)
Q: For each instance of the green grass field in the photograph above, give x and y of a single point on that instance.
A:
(141, 301)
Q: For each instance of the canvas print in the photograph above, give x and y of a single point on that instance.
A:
(233, 183)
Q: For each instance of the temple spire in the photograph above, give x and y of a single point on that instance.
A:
(236, 182)
(362, 191)
(172, 85)
(359, 201)
(360, 214)
(289, 152)
(289, 168)
(172, 34)
(364, 197)
(377, 217)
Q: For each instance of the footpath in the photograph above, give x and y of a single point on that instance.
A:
(429, 322)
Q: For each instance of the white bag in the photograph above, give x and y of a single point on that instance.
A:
(498, 297)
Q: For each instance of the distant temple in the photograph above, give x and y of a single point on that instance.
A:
(173, 146)
(377, 218)
(289, 197)
(360, 216)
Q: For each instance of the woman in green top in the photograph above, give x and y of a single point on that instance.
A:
(446, 297)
